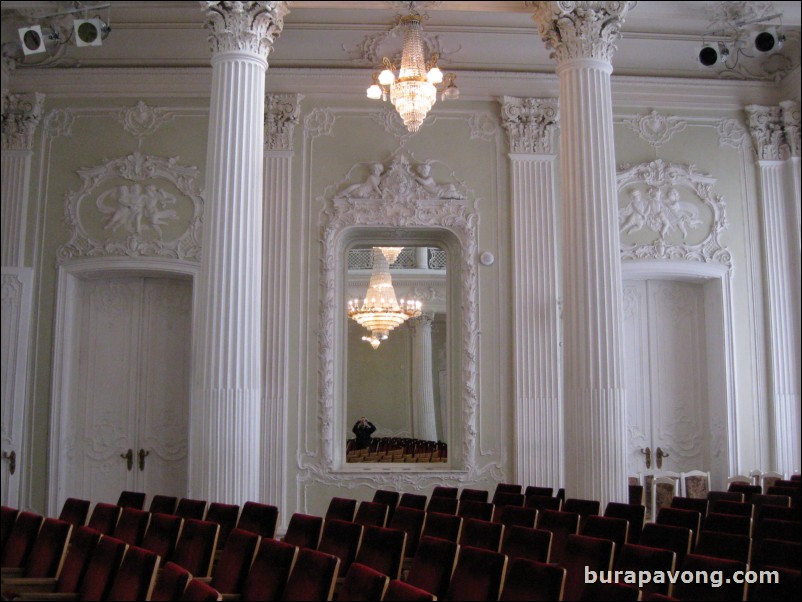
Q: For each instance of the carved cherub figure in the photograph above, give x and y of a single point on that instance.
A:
(439, 191)
(369, 189)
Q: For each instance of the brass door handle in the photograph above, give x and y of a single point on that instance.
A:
(142, 455)
(12, 461)
(129, 458)
(660, 455)
(647, 451)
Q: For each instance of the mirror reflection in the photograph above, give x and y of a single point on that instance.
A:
(397, 397)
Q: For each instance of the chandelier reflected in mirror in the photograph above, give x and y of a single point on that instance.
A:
(380, 311)
(413, 91)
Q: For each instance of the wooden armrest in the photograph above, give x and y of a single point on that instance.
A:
(206, 580)
(28, 584)
(48, 597)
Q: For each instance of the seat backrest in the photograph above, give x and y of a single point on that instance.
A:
(632, 557)
(433, 565)
(103, 565)
(131, 526)
(304, 531)
(195, 548)
(478, 575)
(398, 591)
(258, 518)
(49, 550)
(199, 591)
(541, 502)
(382, 550)
(775, 552)
(8, 516)
(224, 515)
(131, 499)
(515, 515)
(583, 553)
(162, 534)
(765, 499)
(171, 581)
(475, 509)
(634, 514)
(447, 492)
(728, 523)
(733, 496)
(745, 488)
(21, 539)
(784, 530)
(235, 561)
(582, 507)
(677, 517)
(313, 576)
(411, 521)
(605, 527)
(188, 508)
(163, 504)
(724, 545)
(341, 539)
(270, 570)
(668, 537)
(663, 490)
(412, 500)
(104, 518)
(523, 542)
(390, 498)
(686, 503)
(530, 580)
(443, 505)
(788, 586)
(474, 495)
(341, 508)
(561, 525)
(720, 584)
(695, 484)
(75, 511)
(636, 495)
(541, 491)
(373, 514)
(363, 583)
(737, 508)
(481, 534)
(444, 526)
(783, 513)
(136, 576)
(82, 544)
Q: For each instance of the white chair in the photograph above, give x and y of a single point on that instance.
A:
(755, 476)
(678, 489)
(739, 478)
(768, 478)
(695, 484)
(664, 488)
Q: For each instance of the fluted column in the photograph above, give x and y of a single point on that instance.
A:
(791, 118)
(782, 273)
(530, 124)
(424, 425)
(281, 115)
(21, 115)
(225, 410)
(582, 36)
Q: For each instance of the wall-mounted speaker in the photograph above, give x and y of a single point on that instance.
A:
(32, 40)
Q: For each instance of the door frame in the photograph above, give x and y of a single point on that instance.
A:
(65, 336)
(717, 282)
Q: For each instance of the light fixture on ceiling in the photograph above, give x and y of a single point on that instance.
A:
(83, 23)
(739, 39)
(380, 311)
(414, 90)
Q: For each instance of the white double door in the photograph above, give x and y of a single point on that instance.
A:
(130, 375)
(668, 405)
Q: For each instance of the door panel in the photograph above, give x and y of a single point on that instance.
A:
(666, 375)
(167, 320)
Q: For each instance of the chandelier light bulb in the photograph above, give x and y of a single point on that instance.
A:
(435, 76)
(386, 77)
(374, 92)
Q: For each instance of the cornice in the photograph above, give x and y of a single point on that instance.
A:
(195, 82)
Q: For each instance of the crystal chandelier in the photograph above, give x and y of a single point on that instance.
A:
(380, 311)
(413, 92)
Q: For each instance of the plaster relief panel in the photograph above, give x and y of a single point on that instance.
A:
(668, 211)
(139, 205)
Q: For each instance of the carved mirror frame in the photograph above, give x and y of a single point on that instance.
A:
(405, 214)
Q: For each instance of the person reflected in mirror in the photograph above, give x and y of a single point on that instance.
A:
(363, 429)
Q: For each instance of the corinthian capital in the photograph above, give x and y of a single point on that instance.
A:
(530, 123)
(790, 110)
(21, 115)
(580, 30)
(281, 115)
(766, 127)
(244, 26)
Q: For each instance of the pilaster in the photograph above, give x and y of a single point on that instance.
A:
(423, 419)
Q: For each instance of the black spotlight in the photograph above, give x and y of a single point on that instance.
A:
(32, 39)
(767, 40)
(708, 55)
